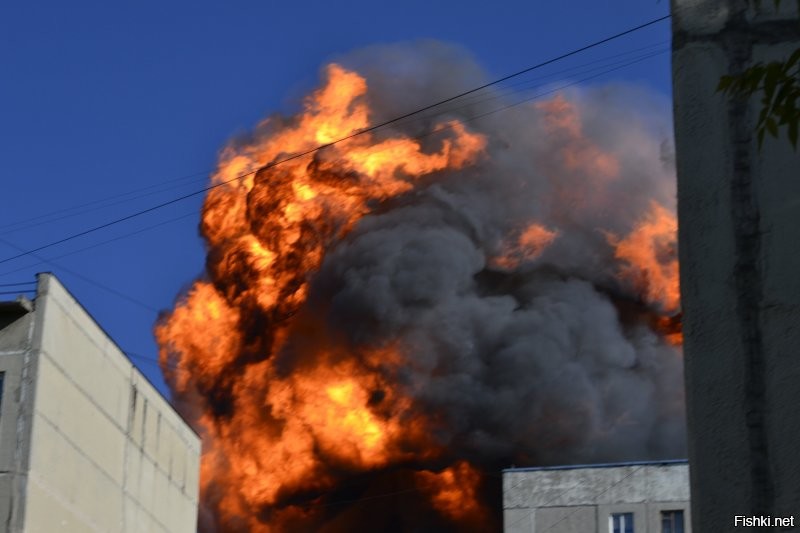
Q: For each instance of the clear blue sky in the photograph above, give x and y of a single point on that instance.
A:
(102, 98)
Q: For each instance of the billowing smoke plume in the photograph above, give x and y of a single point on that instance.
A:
(388, 322)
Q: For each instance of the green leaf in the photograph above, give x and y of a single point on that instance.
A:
(778, 85)
(778, 103)
(725, 83)
(793, 59)
(772, 127)
(752, 78)
(771, 78)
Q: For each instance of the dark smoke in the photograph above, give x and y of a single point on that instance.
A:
(538, 366)
(552, 361)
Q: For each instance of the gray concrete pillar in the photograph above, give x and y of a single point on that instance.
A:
(739, 238)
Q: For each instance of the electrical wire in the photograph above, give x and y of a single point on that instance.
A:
(102, 243)
(86, 279)
(335, 142)
(81, 208)
(17, 227)
(18, 292)
(466, 102)
(150, 308)
(147, 307)
(512, 88)
(16, 284)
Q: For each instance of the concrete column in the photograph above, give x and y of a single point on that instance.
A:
(739, 236)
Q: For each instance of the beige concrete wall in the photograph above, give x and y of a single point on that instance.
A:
(739, 229)
(580, 500)
(108, 453)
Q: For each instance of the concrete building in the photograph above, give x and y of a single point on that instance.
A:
(739, 229)
(640, 497)
(87, 444)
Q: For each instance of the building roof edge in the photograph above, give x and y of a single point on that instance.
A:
(663, 462)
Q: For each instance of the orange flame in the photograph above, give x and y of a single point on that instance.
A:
(454, 492)
(269, 231)
(651, 258)
(280, 438)
(530, 244)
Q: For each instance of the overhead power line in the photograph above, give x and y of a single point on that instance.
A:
(17, 284)
(419, 137)
(340, 140)
(83, 209)
(86, 279)
(605, 69)
(169, 184)
(95, 245)
(21, 291)
(154, 360)
(614, 66)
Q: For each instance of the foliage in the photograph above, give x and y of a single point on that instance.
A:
(779, 82)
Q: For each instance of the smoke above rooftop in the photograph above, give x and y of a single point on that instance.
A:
(384, 324)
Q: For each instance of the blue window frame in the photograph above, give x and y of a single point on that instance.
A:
(620, 523)
(672, 521)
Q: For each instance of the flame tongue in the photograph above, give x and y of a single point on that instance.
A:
(281, 433)
(345, 363)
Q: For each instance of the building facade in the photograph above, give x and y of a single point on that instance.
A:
(643, 497)
(738, 229)
(87, 444)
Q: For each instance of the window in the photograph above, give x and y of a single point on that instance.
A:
(620, 523)
(672, 521)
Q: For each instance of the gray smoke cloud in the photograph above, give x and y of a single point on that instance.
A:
(550, 358)
(535, 363)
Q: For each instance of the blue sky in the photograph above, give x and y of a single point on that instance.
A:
(98, 99)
